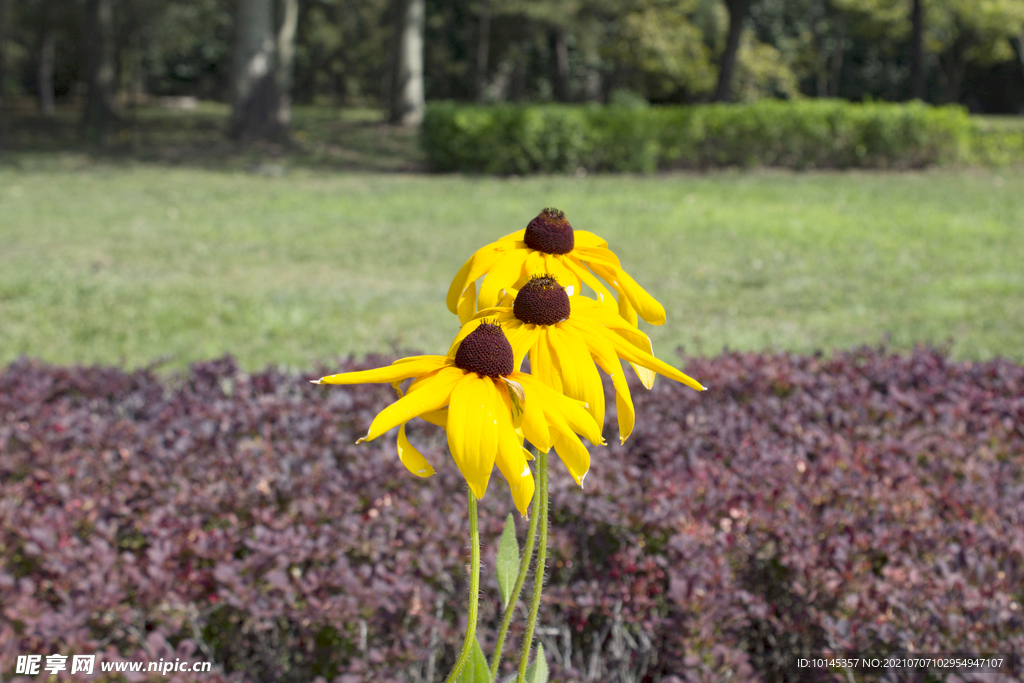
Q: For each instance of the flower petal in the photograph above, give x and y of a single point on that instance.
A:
(624, 410)
(511, 462)
(627, 351)
(412, 458)
(398, 371)
(517, 400)
(535, 264)
(602, 255)
(580, 269)
(436, 417)
(574, 456)
(645, 376)
(521, 337)
(473, 429)
(534, 425)
(478, 264)
(424, 395)
(646, 305)
(587, 239)
(625, 329)
(467, 303)
(580, 379)
(626, 311)
(503, 275)
(604, 355)
(563, 414)
(543, 364)
(558, 267)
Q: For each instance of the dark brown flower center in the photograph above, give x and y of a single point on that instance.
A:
(550, 232)
(486, 351)
(541, 301)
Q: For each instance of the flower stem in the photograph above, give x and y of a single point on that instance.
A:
(524, 568)
(474, 591)
(538, 572)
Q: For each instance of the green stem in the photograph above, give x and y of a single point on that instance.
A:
(524, 568)
(538, 572)
(474, 591)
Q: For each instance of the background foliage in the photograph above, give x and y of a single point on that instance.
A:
(659, 50)
(863, 501)
(809, 134)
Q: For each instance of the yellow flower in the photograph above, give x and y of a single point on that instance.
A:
(566, 335)
(484, 404)
(549, 245)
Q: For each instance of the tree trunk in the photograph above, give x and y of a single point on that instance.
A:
(560, 65)
(5, 28)
(483, 49)
(738, 10)
(47, 50)
(254, 96)
(957, 71)
(1020, 50)
(917, 76)
(821, 73)
(285, 61)
(836, 65)
(407, 102)
(101, 69)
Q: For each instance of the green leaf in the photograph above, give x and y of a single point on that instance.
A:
(538, 671)
(508, 560)
(476, 669)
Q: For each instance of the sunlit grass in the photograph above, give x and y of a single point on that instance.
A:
(128, 263)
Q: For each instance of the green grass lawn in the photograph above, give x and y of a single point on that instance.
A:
(127, 263)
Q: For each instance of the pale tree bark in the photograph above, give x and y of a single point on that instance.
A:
(101, 69)
(407, 103)
(738, 10)
(483, 49)
(285, 62)
(917, 75)
(47, 54)
(254, 97)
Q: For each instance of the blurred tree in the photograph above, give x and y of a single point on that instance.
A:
(341, 52)
(363, 52)
(48, 37)
(100, 68)
(262, 70)
(407, 93)
(286, 61)
(738, 11)
(963, 32)
(188, 49)
(810, 37)
(254, 98)
(949, 35)
(5, 29)
(663, 53)
(47, 55)
(917, 66)
(483, 48)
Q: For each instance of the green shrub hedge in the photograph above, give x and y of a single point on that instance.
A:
(997, 146)
(516, 139)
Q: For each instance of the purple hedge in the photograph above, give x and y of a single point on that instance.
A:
(867, 501)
